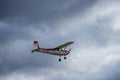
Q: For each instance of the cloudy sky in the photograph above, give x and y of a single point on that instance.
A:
(94, 26)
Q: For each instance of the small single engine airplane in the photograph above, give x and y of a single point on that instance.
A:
(58, 51)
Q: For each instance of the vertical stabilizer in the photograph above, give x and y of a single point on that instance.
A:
(36, 44)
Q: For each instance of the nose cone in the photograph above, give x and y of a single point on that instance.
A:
(67, 52)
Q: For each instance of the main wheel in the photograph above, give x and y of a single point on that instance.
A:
(65, 58)
(59, 60)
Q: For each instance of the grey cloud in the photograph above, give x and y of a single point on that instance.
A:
(30, 20)
(41, 10)
(114, 71)
(17, 15)
(109, 72)
(100, 36)
(17, 56)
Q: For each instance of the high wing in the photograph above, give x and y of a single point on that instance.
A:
(64, 45)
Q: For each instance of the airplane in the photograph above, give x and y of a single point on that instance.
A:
(58, 51)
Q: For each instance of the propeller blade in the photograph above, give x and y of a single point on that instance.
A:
(70, 49)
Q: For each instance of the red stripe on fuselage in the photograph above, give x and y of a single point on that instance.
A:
(53, 49)
(48, 49)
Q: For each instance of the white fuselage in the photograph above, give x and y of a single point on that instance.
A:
(55, 52)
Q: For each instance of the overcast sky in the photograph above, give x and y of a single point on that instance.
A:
(94, 26)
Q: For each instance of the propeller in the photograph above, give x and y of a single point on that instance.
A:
(70, 49)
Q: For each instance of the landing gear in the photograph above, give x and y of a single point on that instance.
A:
(60, 60)
(65, 58)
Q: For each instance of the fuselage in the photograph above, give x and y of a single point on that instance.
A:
(53, 51)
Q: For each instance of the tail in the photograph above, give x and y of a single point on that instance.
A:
(36, 44)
